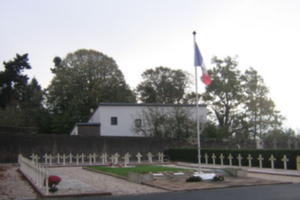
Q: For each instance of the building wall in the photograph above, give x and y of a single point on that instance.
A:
(126, 117)
(89, 130)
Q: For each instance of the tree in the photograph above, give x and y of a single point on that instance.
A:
(172, 123)
(239, 102)
(81, 81)
(163, 85)
(12, 81)
(224, 95)
(261, 113)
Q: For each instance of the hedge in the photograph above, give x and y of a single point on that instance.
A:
(191, 154)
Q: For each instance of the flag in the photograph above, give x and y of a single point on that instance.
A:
(199, 63)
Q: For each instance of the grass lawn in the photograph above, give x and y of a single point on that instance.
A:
(138, 169)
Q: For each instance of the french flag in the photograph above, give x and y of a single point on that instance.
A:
(199, 63)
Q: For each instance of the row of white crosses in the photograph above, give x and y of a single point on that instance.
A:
(79, 159)
(272, 160)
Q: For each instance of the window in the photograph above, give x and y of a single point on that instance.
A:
(114, 121)
(138, 123)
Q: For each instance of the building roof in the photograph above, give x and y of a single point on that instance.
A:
(150, 105)
(87, 124)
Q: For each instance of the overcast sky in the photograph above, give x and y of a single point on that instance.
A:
(142, 34)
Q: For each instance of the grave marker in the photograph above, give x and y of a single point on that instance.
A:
(116, 158)
(70, 158)
(46, 158)
(126, 159)
(58, 158)
(249, 158)
(285, 160)
(104, 158)
(260, 159)
(240, 159)
(82, 158)
(230, 157)
(64, 159)
(139, 157)
(272, 159)
(77, 159)
(206, 158)
(149, 155)
(214, 158)
(222, 159)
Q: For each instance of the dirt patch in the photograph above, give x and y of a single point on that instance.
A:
(12, 184)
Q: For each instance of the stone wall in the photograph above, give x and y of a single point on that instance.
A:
(13, 144)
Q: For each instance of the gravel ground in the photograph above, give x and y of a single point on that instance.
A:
(13, 185)
(90, 182)
(75, 180)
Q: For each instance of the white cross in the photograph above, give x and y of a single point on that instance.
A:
(90, 158)
(104, 158)
(64, 159)
(260, 159)
(50, 159)
(213, 158)
(230, 157)
(240, 160)
(117, 158)
(77, 159)
(149, 157)
(70, 158)
(82, 158)
(46, 158)
(272, 159)
(249, 158)
(222, 159)
(285, 160)
(139, 156)
(58, 158)
(126, 159)
(206, 158)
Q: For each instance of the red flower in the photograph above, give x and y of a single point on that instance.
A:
(53, 180)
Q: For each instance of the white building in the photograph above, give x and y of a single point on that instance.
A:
(119, 119)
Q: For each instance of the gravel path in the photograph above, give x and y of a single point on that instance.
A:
(75, 180)
(12, 184)
(90, 182)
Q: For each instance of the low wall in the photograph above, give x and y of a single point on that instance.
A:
(12, 145)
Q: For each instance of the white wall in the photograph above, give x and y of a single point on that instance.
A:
(74, 131)
(126, 116)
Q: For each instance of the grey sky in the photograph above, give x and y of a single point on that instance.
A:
(143, 34)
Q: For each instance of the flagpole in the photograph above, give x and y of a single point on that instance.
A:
(197, 111)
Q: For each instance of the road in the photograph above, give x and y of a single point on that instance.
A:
(267, 192)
